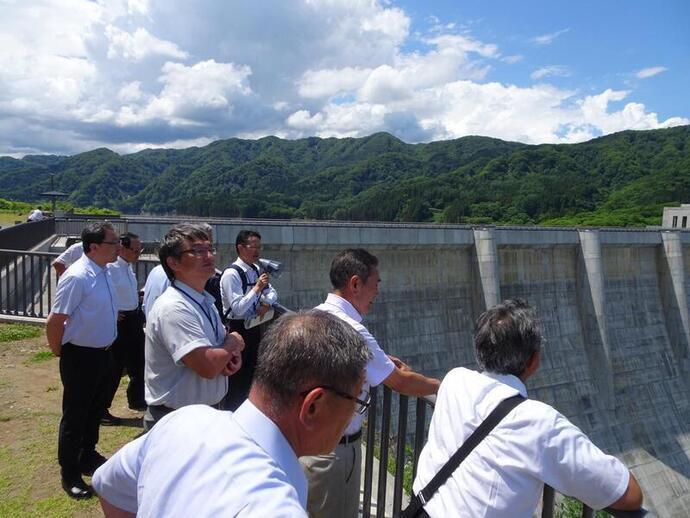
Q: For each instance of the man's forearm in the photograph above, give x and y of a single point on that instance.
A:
(411, 383)
(55, 328)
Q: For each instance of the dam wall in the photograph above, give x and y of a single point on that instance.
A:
(613, 304)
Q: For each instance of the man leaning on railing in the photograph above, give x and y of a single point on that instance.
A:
(531, 446)
(334, 478)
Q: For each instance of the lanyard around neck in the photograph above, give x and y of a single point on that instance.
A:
(206, 313)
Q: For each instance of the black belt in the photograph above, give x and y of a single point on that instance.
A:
(130, 311)
(347, 439)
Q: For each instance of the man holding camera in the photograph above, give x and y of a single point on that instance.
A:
(246, 295)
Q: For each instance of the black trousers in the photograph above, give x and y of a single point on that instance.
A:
(84, 375)
(128, 353)
(240, 382)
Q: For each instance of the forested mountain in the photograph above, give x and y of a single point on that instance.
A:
(621, 179)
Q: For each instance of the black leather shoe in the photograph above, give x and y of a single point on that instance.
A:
(109, 419)
(76, 488)
(90, 462)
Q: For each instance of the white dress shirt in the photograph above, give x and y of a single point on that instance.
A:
(156, 283)
(505, 474)
(85, 293)
(71, 255)
(181, 320)
(380, 365)
(203, 462)
(36, 215)
(243, 304)
(125, 283)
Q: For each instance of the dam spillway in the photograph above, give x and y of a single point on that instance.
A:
(613, 304)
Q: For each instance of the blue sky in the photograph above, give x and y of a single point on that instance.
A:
(598, 44)
(136, 74)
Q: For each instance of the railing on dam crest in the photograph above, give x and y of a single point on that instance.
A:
(395, 429)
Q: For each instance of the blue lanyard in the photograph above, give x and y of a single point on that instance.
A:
(212, 321)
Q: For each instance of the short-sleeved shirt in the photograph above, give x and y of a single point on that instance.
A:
(181, 320)
(156, 283)
(203, 462)
(505, 474)
(380, 365)
(243, 304)
(71, 255)
(85, 293)
(125, 283)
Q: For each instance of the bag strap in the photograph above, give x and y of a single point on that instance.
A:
(484, 429)
(243, 276)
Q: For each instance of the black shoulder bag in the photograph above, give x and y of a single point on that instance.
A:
(416, 507)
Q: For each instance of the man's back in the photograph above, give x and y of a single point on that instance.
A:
(505, 474)
(203, 462)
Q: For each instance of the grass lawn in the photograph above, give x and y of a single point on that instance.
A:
(30, 400)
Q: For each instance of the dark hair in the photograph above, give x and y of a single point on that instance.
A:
(126, 239)
(506, 336)
(353, 261)
(243, 238)
(304, 350)
(94, 234)
(173, 241)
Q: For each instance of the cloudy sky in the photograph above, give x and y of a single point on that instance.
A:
(133, 74)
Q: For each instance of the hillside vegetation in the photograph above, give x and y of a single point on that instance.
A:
(622, 179)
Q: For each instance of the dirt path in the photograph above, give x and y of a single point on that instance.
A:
(30, 400)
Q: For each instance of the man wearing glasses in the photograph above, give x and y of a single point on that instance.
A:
(246, 293)
(188, 353)
(128, 347)
(203, 462)
(334, 479)
(80, 329)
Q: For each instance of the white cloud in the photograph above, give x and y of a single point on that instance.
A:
(547, 39)
(131, 74)
(650, 72)
(190, 94)
(139, 45)
(550, 70)
(130, 92)
(515, 58)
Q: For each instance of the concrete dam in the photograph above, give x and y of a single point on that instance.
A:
(613, 304)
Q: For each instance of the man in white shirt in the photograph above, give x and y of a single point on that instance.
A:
(204, 462)
(246, 293)
(67, 258)
(532, 446)
(334, 478)
(128, 347)
(188, 353)
(80, 329)
(36, 215)
(156, 283)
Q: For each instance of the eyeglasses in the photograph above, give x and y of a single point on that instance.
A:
(200, 252)
(252, 247)
(362, 404)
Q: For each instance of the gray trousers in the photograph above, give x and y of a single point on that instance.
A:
(334, 482)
